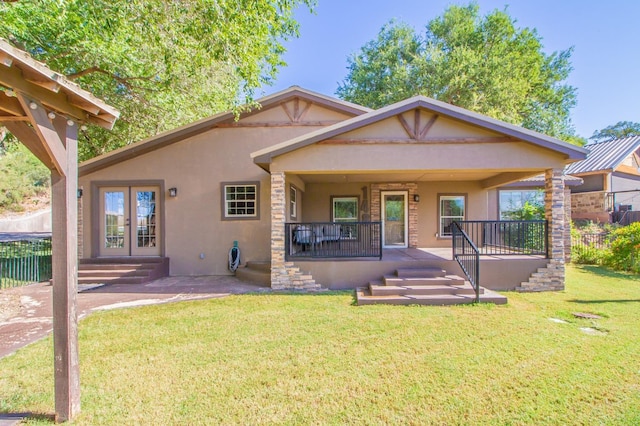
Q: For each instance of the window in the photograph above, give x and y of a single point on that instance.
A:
(240, 200)
(452, 207)
(293, 197)
(520, 204)
(344, 209)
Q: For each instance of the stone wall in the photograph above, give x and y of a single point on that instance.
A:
(552, 276)
(589, 206)
(284, 275)
(412, 189)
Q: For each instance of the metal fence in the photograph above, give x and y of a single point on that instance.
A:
(600, 240)
(24, 262)
(333, 240)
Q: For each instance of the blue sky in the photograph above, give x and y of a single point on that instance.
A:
(605, 36)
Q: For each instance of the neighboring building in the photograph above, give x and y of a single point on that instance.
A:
(306, 178)
(611, 175)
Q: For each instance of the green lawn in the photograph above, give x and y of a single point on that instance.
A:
(316, 359)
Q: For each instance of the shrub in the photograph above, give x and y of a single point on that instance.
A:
(624, 253)
(584, 252)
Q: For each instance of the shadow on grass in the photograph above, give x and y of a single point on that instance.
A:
(10, 417)
(603, 301)
(606, 272)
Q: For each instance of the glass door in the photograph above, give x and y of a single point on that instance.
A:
(114, 222)
(129, 221)
(394, 219)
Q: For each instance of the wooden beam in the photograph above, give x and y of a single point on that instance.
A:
(30, 139)
(286, 111)
(11, 105)
(64, 212)
(47, 84)
(304, 111)
(8, 118)
(12, 77)
(427, 127)
(425, 141)
(278, 124)
(46, 132)
(5, 59)
(406, 126)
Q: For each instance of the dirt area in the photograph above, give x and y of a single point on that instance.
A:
(9, 305)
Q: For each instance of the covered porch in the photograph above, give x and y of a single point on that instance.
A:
(401, 178)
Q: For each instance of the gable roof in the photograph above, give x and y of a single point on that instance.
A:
(21, 73)
(605, 156)
(176, 135)
(573, 152)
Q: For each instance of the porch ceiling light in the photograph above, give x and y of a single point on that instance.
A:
(173, 192)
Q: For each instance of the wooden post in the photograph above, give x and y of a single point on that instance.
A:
(64, 190)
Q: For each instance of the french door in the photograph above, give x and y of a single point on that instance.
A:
(395, 217)
(130, 221)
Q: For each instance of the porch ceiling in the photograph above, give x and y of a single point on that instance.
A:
(488, 176)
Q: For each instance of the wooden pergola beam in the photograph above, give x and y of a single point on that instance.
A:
(46, 132)
(53, 139)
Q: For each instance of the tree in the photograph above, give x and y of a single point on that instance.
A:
(621, 129)
(484, 64)
(161, 63)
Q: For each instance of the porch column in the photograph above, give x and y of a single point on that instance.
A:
(284, 275)
(552, 276)
(278, 218)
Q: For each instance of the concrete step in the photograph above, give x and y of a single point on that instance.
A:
(107, 266)
(130, 272)
(427, 281)
(122, 270)
(112, 280)
(259, 276)
(364, 297)
(426, 272)
(260, 265)
(386, 290)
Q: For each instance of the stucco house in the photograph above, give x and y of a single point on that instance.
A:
(331, 194)
(611, 175)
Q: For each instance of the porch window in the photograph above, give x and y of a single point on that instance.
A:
(240, 200)
(452, 207)
(345, 209)
(521, 204)
(293, 201)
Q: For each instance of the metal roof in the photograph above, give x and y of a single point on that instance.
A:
(605, 156)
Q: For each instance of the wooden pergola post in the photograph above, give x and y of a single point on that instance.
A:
(43, 109)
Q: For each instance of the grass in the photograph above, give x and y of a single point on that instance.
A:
(316, 359)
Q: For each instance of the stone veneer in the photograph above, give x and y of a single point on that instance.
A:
(590, 206)
(412, 188)
(284, 275)
(552, 276)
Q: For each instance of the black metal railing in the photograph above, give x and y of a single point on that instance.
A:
(24, 262)
(467, 255)
(507, 237)
(333, 240)
(598, 241)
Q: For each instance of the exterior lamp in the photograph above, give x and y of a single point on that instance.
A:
(173, 192)
(416, 198)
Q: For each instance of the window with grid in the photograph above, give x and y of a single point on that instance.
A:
(240, 201)
(451, 208)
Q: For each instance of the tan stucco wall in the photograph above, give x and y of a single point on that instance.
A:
(516, 156)
(196, 166)
(317, 206)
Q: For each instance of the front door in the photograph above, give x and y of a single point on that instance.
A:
(130, 219)
(394, 219)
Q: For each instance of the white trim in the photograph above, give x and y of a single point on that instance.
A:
(383, 209)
